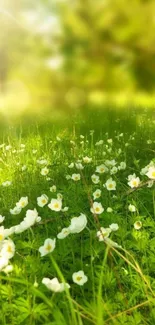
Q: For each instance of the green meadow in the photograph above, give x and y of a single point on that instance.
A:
(49, 167)
(77, 162)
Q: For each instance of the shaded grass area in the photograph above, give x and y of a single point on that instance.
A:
(104, 119)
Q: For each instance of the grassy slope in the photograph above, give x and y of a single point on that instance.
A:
(114, 285)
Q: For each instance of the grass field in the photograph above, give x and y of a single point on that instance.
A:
(60, 168)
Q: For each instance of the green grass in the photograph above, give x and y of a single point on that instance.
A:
(121, 281)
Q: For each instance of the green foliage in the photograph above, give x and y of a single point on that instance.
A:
(71, 54)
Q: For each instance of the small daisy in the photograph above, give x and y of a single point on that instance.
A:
(42, 161)
(55, 205)
(64, 233)
(76, 177)
(114, 227)
(133, 181)
(79, 166)
(15, 210)
(97, 194)
(22, 203)
(79, 278)
(97, 208)
(8, 248)
(65, 209)
(109, 210)
(110, 141)
(150, 183)
(48, 247)
(54, 285)
(103, 233)
(113, 170)
(78, 224)
(99, 143)
(42, 200)
(59, 196)
(23, 168)
(44, 171)
(138, 225)
(87, 160)
(71, 165)
(110, 185)
(8, 269)
(53, 188)
(95, 179)
(101, 169)
(8, 147)
(131, 208)
(6, 183)
(122, 165)
(151, 173)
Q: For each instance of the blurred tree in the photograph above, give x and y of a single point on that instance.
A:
(66, 51)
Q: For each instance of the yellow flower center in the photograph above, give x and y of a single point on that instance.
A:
(153, 173)
(111, 185)
(43, 201)
(9, 249)
(56, 205)
(79, 278)
(48, 247)
(97, 209)
(138, 223)
(135, 183)
(1, 237)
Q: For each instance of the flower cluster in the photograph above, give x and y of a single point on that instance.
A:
(54, 285)
(102, 182)
(22, 203)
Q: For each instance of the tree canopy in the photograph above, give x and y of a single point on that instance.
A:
(73, 51)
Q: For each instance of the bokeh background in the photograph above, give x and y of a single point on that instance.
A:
(66, 55)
